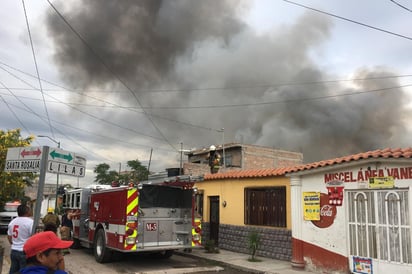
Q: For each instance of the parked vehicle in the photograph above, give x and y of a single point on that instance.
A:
(9, 213)
(155, 216)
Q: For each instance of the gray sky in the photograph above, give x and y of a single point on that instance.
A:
(140, 79)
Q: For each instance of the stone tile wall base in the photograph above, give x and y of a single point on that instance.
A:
(274, 243)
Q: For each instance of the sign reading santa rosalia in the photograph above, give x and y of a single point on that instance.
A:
(327, 212)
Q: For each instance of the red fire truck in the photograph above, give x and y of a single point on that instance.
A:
(154, 216)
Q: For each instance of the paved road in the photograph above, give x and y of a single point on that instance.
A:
(81, 261)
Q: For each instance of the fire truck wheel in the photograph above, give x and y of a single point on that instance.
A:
(102, 254)
(165, 254)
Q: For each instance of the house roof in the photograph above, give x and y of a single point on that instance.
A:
(250, 173)
(271, 172)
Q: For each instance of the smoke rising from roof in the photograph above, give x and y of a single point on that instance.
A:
(189, 48)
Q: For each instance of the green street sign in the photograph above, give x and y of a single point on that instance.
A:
(67, 157)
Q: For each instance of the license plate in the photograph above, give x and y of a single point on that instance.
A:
(151, 226)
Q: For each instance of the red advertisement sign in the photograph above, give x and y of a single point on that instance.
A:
(327, 212)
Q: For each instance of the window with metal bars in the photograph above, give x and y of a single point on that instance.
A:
(265, 206)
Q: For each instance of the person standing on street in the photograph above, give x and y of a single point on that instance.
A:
(44, 253)
(67, 225)
(51, 218)
(18, 232)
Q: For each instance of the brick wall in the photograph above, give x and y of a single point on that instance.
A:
(274, 243)
(245, 157)
(255, 157)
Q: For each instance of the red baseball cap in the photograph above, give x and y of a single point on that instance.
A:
(42, 241)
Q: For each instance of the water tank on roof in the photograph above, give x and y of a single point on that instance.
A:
(173, 172)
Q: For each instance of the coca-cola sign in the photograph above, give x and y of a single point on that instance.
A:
(327, 212)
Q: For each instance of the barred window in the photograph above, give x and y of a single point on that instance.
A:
(265, 206)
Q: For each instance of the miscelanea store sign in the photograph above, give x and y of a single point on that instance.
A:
(362, 175)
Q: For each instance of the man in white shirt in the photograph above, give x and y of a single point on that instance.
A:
(19, 231)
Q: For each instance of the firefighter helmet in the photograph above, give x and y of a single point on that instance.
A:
(50, 210)
(212, 147)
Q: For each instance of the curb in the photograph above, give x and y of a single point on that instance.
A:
(222, 263)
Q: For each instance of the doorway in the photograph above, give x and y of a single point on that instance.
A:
(214, 218)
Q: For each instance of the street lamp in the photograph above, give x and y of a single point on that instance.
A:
(57, 182)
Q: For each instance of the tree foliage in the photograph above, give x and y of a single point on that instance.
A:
(139, 172)
(103, 176)
(106, 176)
(12, 183)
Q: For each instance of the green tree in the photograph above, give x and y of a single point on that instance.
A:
(104, 175)
(12, 183)
(139, 172)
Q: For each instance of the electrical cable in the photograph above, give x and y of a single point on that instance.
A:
(284, 101)
(213, 88)
(396, 3)
(349, 20)
(14, 114)
(111, 71)
(37, 69)
(81, 111)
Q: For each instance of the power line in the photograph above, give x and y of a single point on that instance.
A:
(282, 101)
(82, 94)
(284, 84)
(134, 109)
(396, 3)
(111, 71)
(349, 20)
(235, 105)
(37, 69)
(79, 110)
(14, 114)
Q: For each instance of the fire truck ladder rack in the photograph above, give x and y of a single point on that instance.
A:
(174, 180)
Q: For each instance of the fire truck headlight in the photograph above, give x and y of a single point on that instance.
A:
(130, 240)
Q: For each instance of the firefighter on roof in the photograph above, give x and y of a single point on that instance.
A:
(214, 159)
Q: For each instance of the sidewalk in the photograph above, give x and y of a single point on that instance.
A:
(240, 261)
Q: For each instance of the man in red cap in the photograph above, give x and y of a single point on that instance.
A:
(44, 253)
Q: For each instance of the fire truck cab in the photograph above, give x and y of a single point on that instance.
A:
(154, 216)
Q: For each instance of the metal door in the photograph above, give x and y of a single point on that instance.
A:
(379, 228)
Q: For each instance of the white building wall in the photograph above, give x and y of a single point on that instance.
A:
(334, 237)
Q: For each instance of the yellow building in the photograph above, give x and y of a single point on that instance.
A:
(237, 203)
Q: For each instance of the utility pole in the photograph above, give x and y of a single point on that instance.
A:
(181, 158)
(223, 145)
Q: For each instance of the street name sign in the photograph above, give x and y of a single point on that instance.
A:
(65, 162)
(23, 159)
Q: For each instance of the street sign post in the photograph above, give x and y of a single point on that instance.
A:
(44, 159)
(65, 162)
